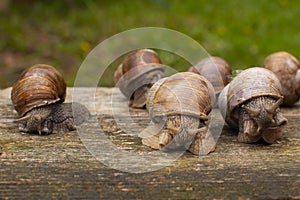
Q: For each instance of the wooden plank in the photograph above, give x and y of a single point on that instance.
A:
(61, 166)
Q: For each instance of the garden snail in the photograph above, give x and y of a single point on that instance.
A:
(38, 97)
(137, 73)
(251, 103)
(178, 107)
(216, 70)
(287, 69)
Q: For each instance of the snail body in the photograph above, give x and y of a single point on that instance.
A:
(287, 69)
(251, 103)
(38, 97)
(178, 107)
(136, 74)
(214, 69)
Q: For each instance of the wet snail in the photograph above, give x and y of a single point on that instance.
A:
(287, 69)
(137, 73)
(38, 97)
(251, 103)
(179, 106)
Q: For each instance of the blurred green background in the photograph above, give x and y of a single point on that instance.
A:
(62, 33)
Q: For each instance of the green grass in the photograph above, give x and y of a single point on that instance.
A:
(62, 33)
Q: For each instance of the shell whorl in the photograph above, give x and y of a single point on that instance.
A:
(184, 93)
(215, 69)
(37, 86)
(286, 67)
(252, 82)
(138, 67)
(140, 57)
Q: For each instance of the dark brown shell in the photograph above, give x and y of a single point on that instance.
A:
(216, 70)
(286, 67)
(138, 68)
(183, 93)
(37, 86)
(140, 57)
(137, 63)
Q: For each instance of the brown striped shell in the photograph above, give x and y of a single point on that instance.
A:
(140, 67)
(140, 57)
(216, 70)
(37, 86)
(287, 69)
(136, 63)
(250, 83)
(184, 93)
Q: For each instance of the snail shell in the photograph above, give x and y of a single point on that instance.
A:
(38, 97)
(37, 86)
(287, 69)
(251, 103)
(216, 70)
(139, 70)
(183, 101)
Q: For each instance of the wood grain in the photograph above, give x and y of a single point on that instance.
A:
(61, 166)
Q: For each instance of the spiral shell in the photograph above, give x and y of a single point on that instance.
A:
(140, 68)
(287, 69)
(139, 58)
(245, 87)
(250, 83)
(183, 93)
(216, 70)
(37, 86)
(135, 64)
(178, 106)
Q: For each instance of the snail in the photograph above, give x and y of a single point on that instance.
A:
(179, 106)
(251, 103)
(216, 70)
(287, 69)
(137, 73)
(38, 97)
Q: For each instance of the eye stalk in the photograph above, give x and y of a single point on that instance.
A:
(276, 105)
(252, 111)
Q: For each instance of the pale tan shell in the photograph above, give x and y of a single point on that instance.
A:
(139, 67)
(37, 86)
(183, 93)
(244, 87)
(287, 69)
(215, 69)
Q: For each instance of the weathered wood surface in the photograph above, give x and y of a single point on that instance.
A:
(60, 166)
